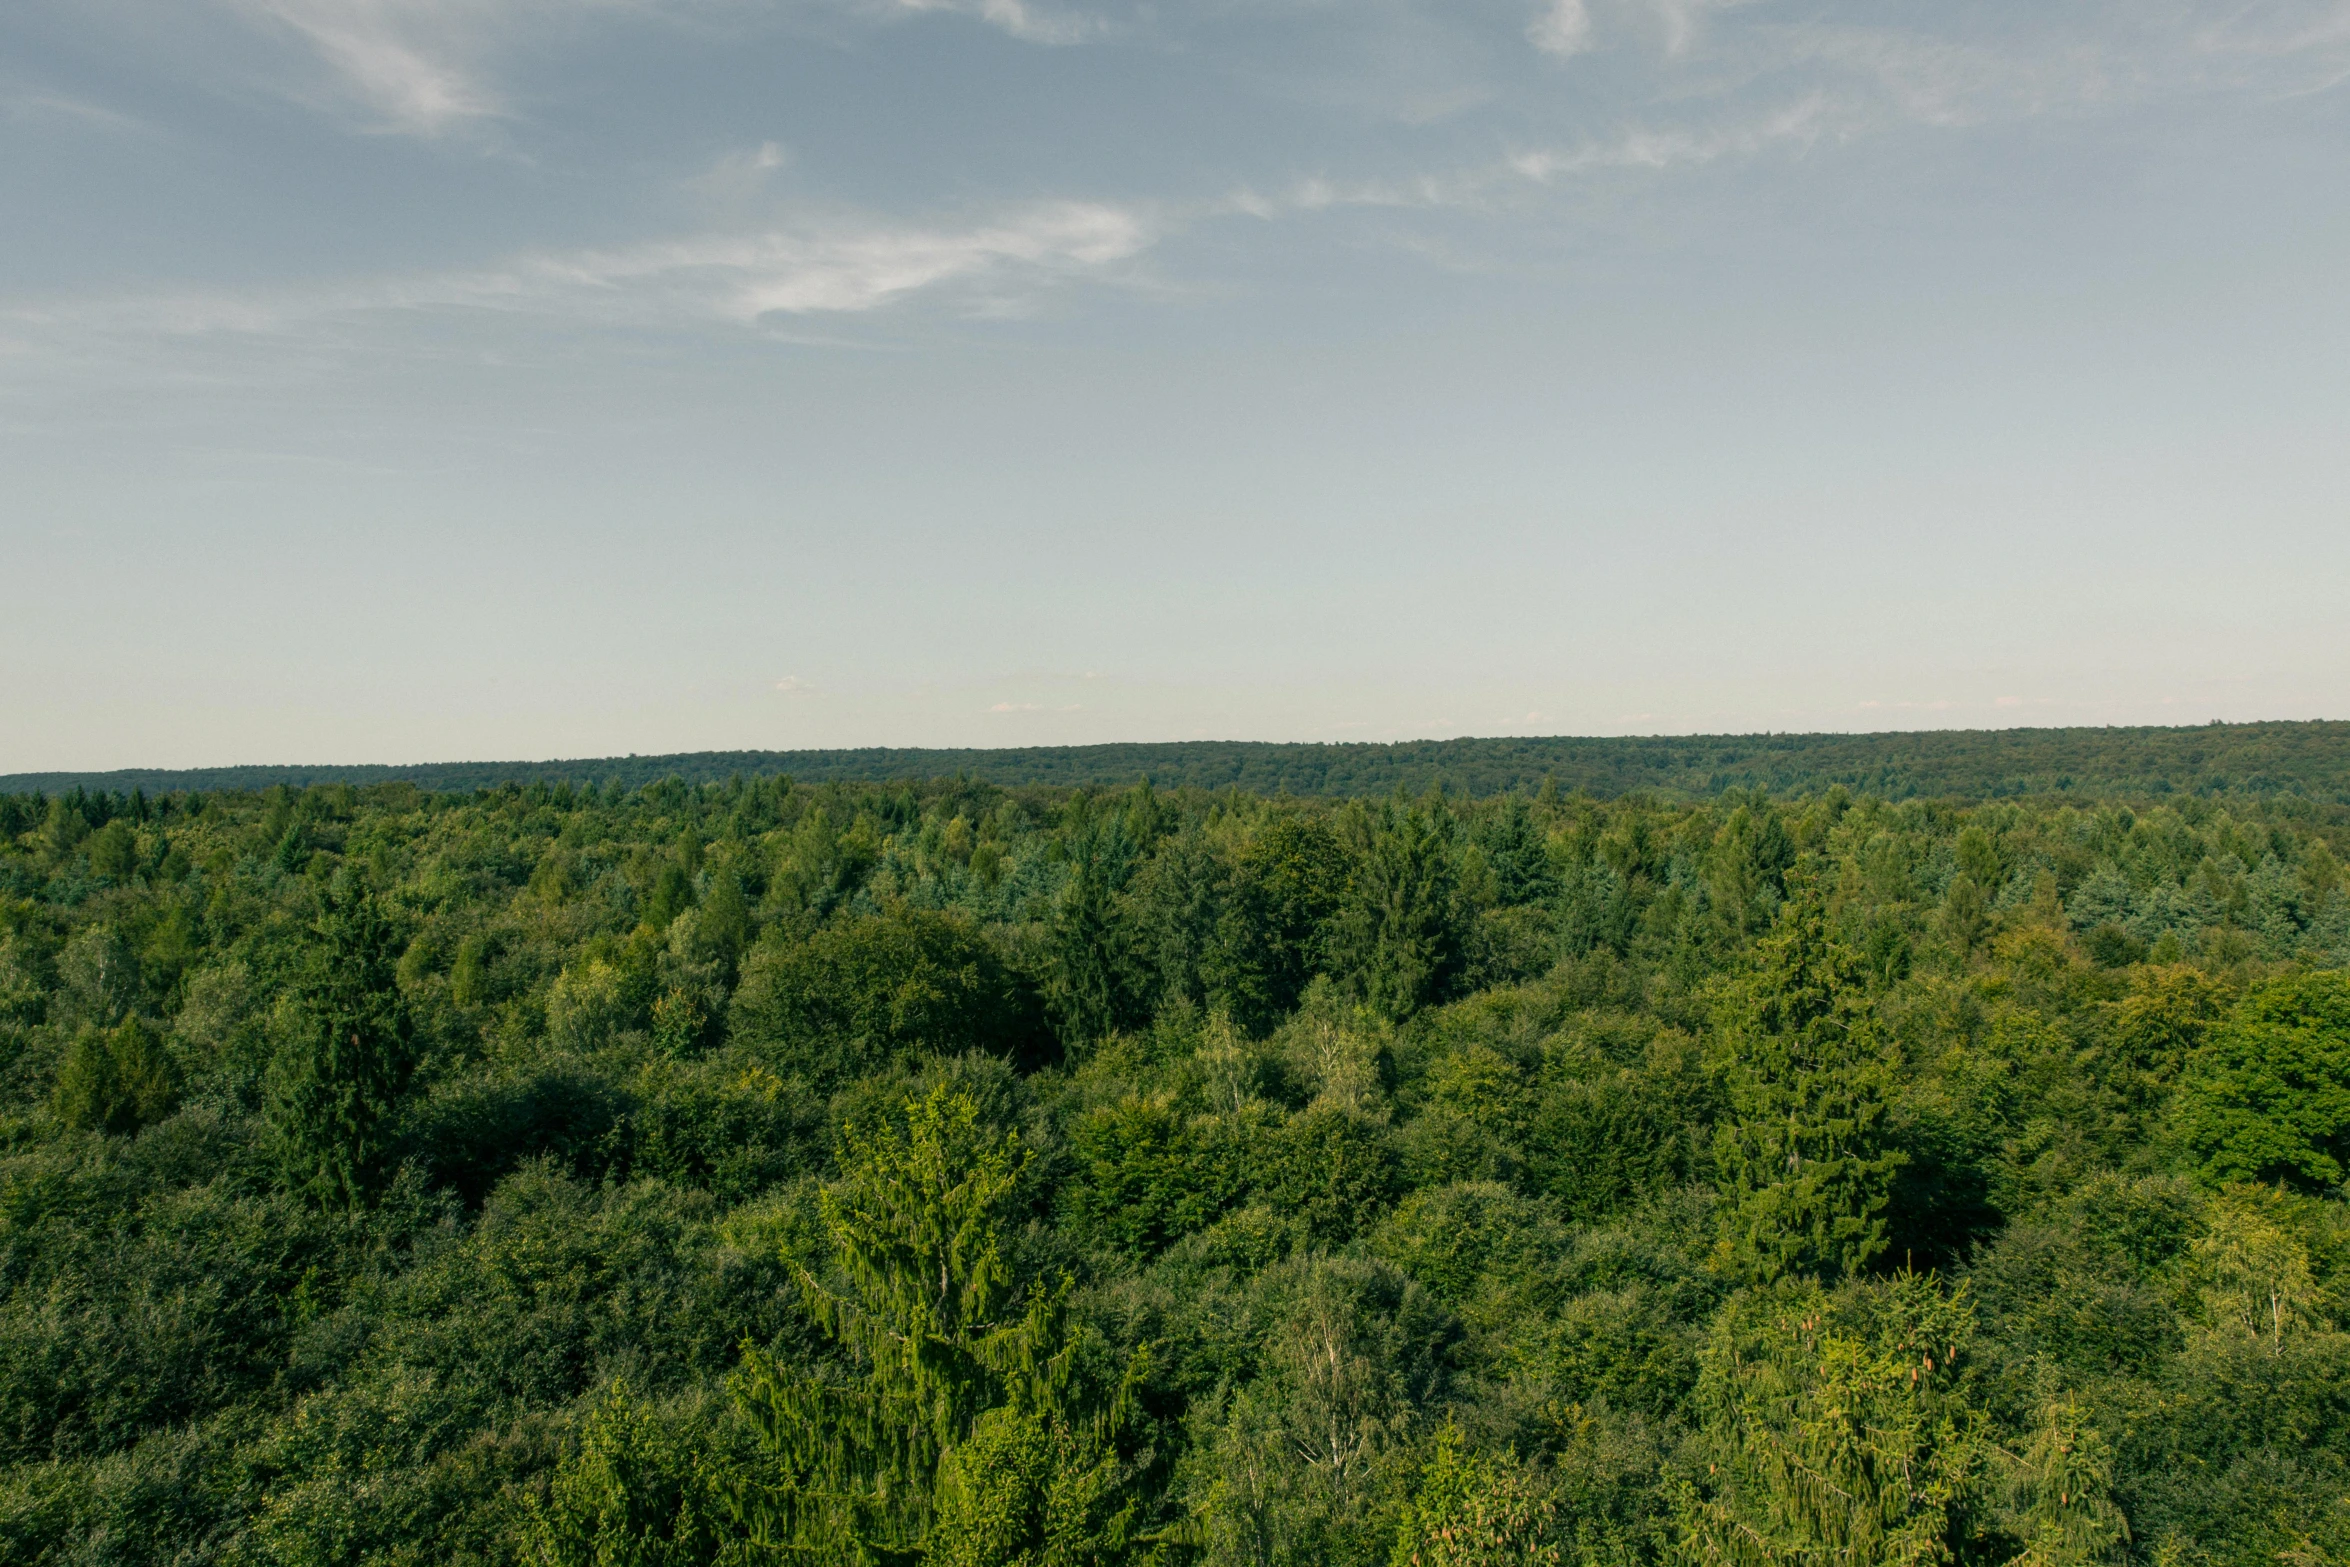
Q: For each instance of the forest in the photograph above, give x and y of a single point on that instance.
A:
(2309, 759)
(749, 1171)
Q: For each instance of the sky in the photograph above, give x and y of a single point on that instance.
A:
(407, 380)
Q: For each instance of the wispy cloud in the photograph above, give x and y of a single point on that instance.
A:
(840, 268)
(1015, 17)
(1665, 147)
(35, 105)
(1563, 29)
(414, 65)
(741, 173)
(428, 67)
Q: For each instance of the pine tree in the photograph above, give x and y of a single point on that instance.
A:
(337, 1079)
(1837, 1432)
(1805, 1165)
(1405, 928)
(944, 1349)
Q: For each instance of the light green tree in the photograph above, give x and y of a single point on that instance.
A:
(2063, 1492)
(1479, 1510)
(629, 1493)
(1835, 1435)
(866, 1463)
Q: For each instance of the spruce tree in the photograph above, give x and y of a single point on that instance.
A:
(337, 1078)
(1805, 1165)
(943, 1349)
(1404, 926)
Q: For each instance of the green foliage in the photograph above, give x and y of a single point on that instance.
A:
(1143, 1178)
(1836, 1428)
(117, 1080)
(628, 1494)
(878, 990)
(2267, 1097)
(340, 1073)
(1089, 973)
(1330, 1169)
(1476, 1178)
(1027, 1490)
(1807, 1166)
(1402, 923)
(938, 1336)
(1287, 883)
(2062, 1493)
(2257, 760)
(1480, 1510)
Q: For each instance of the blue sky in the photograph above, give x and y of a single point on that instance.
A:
(416, 379)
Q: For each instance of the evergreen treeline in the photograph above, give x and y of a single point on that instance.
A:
(2242, 760)
(763, 1173)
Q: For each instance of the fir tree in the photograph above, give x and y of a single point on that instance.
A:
(1805, 1167)
(336, 1080)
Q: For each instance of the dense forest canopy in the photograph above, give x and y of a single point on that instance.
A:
(2241, 760)
(755, 1171)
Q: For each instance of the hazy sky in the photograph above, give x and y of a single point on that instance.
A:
(415, 379)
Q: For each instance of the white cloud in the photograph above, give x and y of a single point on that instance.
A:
(43, 105)
(426, 67)
(1563, 30)
(1674, 146)
(1016, 17)
(794, 686)
(843, 267)
(1017, 707)
(740, 174)
(414, 64)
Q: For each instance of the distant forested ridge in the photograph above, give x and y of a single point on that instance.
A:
(952, 1172)
(2248, 760)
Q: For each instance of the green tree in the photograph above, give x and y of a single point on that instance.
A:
(628, 1493)
(1746, 868)
(340, 1072)
(1479, 1510)
(1141, 1180)
(1332, 1170)
(1516, 854)
(114, 850)
(1805, 1165)
(2160, 1025)
(1835, 1433)
(1272, 937)
(2062, 1493)
(2267, 1097)
(1403, 925)
(1175, 904)
(881, 989)
(936, 1334)
(1090, 980)
(116, 1080)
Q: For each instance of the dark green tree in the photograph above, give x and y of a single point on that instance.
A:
(879, 990)
(1273, 935)
(338, 1076)
(1403, 923)
(1090, 975)
(1806, 1167)
(1517, 853)
(116, 1080)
